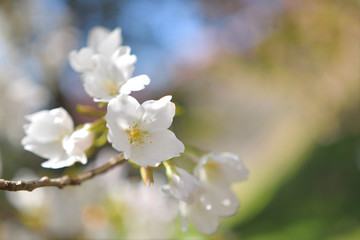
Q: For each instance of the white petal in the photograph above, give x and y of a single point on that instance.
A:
(124, 61)
(230, 168)
(112, 41)
(121, 51)
(185, 187)
(103, 82)
(119, 138)
(95, 87)
(182, 213)
(204, 221)
(160, 146)
(220, 200)
(45, 150)
(79, 141)
(82, 158)
(233, 168)
(82, 61)
(97, 36)
(56, 163)
(48, 126)
(63, 118)
(160, 113)
(42, 127)
(135, 84)
(123, 111)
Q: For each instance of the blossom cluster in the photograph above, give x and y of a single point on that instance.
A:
(139, 131)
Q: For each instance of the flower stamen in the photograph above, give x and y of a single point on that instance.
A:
(137, 134)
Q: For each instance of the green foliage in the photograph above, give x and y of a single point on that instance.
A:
(321, 201)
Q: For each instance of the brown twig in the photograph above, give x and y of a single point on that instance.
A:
(61, 181)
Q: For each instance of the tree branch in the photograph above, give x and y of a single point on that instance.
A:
(61, 181)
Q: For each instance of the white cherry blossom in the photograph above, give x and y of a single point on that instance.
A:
(221, 168)
(205, 221)
(112, 76)
(215, 172)
(141, 131)
(183, 186)
(106, 66)
(50, 134)
(100, 42)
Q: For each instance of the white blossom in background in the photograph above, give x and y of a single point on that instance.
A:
(110, 77)
(106, 66)
(216, 172)
(149, 213)
(23, 93)
(55, 46)
(100, 42)
(141, 131)
(183, 186)
(221, 168)
(204, 220)
(63, 216)
(14, 230)
(50, 134)
(24, 201)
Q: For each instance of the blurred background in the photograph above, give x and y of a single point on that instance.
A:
(275, 81)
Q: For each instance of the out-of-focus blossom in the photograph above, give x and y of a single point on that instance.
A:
(141, 131)
(220, 169)
(78, 142)
(100, 42)
(205, 221)
(215, 172)
(63, 217)
(110, 77)
(50, 134)
(13, 230)
(55, 46)
(106, 66)
(183, 186)
(26, 95)
(24, 201)
(149, 213)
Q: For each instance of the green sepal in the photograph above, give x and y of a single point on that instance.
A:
(101, 140)
(170, 168)
(98, 125)
(147, 175)
(134, 165)
(180, 110)
(102, 104)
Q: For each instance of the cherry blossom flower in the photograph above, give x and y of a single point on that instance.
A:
(106, 66)
(221, 168)
(183, 186)
(110, 77)
(50, 134)
(204, 220)
(141, 131)
(186, 188)
(102, 42)
(215, 172)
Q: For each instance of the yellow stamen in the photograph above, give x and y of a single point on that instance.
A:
(137, 134)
